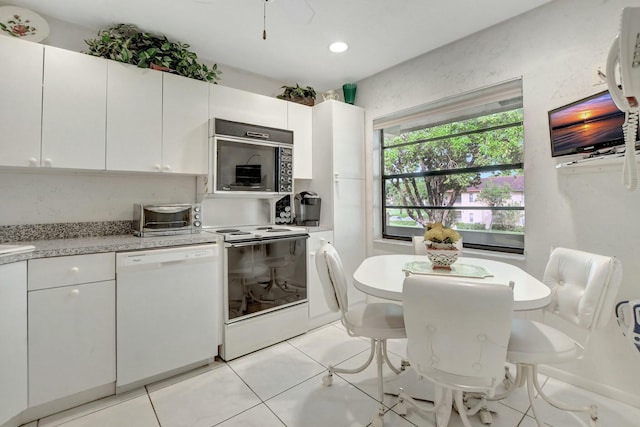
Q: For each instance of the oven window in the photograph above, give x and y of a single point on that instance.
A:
(266, 276)
(245, 167)
(162, 219)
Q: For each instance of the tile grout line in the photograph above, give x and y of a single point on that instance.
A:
(146, 388)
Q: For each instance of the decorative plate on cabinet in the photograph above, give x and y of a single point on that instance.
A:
(23, 24)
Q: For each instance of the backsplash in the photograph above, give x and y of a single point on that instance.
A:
(70, 230)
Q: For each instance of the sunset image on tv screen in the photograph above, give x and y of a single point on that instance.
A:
(584, 125)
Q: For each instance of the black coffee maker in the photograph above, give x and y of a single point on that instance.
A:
(308, 209)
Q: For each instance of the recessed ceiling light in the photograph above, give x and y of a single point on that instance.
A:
(338, 47)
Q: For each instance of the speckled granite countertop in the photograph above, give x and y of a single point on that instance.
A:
(61, 239)
(92, 245)
(319, 228)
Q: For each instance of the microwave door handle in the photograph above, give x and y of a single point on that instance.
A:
(260, 135)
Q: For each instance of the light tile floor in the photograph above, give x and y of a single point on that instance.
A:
(282, 386)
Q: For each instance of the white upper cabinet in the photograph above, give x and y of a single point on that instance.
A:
(134, 118)
(348, 149)
(21, 95)
(299, 120)
(246, 107)
(185, 116)
(74, 103)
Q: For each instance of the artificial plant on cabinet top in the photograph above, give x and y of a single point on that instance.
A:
(126, 43)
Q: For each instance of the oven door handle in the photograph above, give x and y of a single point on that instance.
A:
(262, 241)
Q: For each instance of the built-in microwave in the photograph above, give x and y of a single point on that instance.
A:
(249, 159)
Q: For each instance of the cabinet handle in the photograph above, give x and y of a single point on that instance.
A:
(33, 161)
(336, 177)
(48, 162)
(167, 168)
(75, 269)
(157, 167)
(75, 292)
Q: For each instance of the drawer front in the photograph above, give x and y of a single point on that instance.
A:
(44, 273)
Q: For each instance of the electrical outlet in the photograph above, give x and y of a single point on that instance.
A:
(598, 77)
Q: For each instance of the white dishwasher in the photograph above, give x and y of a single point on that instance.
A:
(168, 304)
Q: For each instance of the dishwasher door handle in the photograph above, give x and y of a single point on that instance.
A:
(174, 262)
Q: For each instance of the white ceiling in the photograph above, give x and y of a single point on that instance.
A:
(380, 33)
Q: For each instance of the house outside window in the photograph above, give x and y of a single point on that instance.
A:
(459, 162)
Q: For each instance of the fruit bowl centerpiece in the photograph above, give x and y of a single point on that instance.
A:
(443, 245)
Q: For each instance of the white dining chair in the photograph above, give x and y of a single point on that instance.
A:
(378, 321)
(458, 335)
(583, 288)
(418, 245)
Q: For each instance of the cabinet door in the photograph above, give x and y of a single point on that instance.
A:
(134, 118)
(13, 340)
(21, 95)
(74, 103)
(299, 120)
(71, 340)
(349, 228)
(348, 141)
(185, 117)
(319, 312)
(246, 107)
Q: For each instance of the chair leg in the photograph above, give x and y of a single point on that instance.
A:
(530, 391)
(443, 402)
(379, 350)
(592, 410)
(333, 369)
(461, 407)
(386, 358)
(404, 399)
(378, 419)
(443, 405)
(510, 382)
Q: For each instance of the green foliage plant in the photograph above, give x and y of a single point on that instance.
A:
(299, 94)
(126, 43)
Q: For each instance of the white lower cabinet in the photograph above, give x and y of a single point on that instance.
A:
(319, 312)
(13, 340)
(71, 327)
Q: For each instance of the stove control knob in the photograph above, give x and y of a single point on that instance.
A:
(196, 223)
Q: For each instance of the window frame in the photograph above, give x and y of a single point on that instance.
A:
(454, 116)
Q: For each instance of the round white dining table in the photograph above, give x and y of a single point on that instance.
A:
(382, 276)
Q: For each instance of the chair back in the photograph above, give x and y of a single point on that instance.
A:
(458, 333)
(418, 245)
(332, 277)
(583, 286)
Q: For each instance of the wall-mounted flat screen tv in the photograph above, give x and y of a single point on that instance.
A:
(586, 126)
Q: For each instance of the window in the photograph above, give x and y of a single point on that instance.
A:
(434, 157)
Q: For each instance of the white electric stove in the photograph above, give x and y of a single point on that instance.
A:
(265, 286)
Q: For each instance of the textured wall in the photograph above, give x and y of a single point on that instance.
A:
(555, 49)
